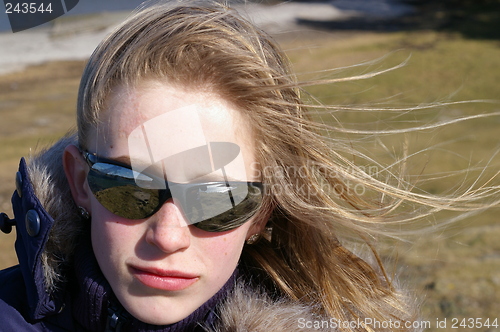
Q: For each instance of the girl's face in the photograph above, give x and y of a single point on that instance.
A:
(162, 268)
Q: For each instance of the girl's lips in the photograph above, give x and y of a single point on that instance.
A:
(163, 279)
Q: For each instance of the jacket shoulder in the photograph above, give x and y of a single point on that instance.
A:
(13, 290)
(14, 307)
(13, 301)
(12, 320)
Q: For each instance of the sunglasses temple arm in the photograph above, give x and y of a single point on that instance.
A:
(228, 187)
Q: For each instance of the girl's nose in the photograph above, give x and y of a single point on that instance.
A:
(168, 230)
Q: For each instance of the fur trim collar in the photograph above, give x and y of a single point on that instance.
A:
(50, 186)
(248, 309)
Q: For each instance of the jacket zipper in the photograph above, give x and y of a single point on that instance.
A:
(116, 319)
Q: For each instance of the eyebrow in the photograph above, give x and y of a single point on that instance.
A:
(217, 178)
(122, 159)
(211, 177)
(127, 161)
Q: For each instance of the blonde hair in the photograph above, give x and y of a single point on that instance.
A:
(208, 46)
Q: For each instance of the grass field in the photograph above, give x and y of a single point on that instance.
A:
(456, 272)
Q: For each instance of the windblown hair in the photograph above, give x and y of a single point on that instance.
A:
(311, 208)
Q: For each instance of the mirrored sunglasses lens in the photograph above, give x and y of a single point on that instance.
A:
(221, 208)
(116, 189)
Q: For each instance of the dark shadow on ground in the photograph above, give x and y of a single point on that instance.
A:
(475, 19)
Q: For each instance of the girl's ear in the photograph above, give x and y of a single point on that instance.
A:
(258, 225)
(75, 168)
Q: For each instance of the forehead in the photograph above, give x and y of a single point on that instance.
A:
(156, 122)
(129, 107)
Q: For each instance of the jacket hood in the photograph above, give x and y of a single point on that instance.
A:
(47, 223)
(48, 226)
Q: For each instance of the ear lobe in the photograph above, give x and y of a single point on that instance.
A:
(257, 227)
(259, 224)
(75, 168)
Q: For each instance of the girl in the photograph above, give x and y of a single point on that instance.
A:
(196, 195)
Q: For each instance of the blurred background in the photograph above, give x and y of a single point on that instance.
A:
(451, 52)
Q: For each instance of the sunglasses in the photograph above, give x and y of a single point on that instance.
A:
(215, 206)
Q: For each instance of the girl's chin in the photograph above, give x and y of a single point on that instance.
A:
(158, 312)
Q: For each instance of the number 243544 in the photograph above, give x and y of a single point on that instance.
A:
(474, 323)
(28, 7)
